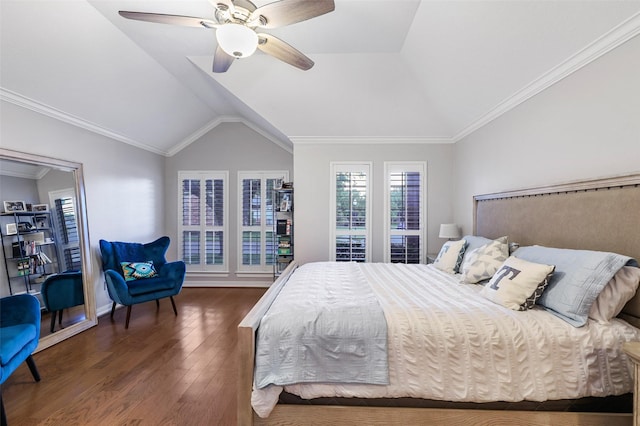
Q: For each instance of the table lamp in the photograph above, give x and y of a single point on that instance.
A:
(449, 230)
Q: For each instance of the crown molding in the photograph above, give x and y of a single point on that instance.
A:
(39, 174)
(226, 119)
(39, 107)
(617, 36)
(376, 140)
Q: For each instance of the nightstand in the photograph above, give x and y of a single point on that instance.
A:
(431, 257)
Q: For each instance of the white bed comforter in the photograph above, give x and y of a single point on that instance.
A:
(446, 342)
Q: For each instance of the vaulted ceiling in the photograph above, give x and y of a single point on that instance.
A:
(392, 70)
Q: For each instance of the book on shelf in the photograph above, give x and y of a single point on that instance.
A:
(43, 258)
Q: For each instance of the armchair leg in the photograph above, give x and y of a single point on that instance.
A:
(113, 309)
(157, 303)
(60, 318)
(126, 324)
(32, 366)
(34, 371)
(173, 303)
(3, 416)
(53, 320)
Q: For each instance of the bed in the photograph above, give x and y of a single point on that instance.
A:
(552, 217)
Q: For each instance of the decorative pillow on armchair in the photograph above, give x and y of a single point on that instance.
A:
(450, 256)
(138, 270)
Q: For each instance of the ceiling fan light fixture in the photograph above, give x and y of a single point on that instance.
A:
(237, 40)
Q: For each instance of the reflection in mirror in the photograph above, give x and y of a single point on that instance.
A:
(45, 241)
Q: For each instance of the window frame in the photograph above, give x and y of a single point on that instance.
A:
(399, 167)
(202, 267)
(365, 167)
(262, 268)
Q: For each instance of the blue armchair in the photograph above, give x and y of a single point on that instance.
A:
(62, 291)
(19, 334)
(137, 273)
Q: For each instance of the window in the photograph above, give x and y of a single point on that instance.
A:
(350, 212)
(257, 238)
(405, 222)
(203, 221)
(66, 228)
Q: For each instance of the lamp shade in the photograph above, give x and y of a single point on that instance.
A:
(237, 40)
(449, 230)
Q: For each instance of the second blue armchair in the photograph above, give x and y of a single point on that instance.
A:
(137, 273)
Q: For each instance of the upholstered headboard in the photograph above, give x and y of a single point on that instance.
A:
(601, 214)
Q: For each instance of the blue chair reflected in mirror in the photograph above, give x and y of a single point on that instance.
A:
(60, 292)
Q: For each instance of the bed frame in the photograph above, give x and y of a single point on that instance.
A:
(599, 214)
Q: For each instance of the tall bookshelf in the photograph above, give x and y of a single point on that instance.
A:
(29, 249)
(283, 206)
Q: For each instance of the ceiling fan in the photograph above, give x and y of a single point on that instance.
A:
(236, 23)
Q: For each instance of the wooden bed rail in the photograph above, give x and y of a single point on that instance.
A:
(247, 345)
(323, 415)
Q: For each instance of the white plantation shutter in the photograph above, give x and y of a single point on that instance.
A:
(405, 212)
(67, 229)
(350, 212)
(257, 239)
(203, 228)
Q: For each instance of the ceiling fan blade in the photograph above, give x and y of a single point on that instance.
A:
(286, 12)
(221, 60)
(279, 49)
(185, 21)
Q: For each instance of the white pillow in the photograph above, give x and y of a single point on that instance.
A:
(484, 261)
(615, 294)
(515, 282)
(450, 256)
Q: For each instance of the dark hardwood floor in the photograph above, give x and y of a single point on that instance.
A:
(163, 370)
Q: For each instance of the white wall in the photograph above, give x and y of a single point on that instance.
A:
(232, 147)
(312, 188)
(124, 184)
(54, 180)
(585, 126)
(18, 189)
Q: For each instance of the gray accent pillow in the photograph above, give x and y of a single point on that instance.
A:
(474, 242)
(483, 262)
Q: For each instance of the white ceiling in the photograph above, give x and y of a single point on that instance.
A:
(22, 170)
(392, 70)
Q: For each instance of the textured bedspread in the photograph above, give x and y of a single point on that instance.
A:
(448, 343)
(326, 325)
